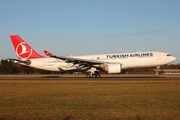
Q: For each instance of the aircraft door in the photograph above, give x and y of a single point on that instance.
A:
(44, 63)
(158, 58)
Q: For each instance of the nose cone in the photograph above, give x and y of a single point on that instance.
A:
(173, 59)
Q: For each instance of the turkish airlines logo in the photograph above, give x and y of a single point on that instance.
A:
(23, 51)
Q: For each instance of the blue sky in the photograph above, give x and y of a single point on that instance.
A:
(79, 27)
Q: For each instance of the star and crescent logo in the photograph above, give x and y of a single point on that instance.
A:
(23, 51)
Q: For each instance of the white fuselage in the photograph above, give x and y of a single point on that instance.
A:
(127, 60)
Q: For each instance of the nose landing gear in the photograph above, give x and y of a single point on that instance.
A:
(157, 70)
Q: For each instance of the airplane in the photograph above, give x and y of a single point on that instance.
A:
(92, 64)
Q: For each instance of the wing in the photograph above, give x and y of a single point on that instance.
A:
(75, 60)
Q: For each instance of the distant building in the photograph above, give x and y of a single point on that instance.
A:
(170, 71)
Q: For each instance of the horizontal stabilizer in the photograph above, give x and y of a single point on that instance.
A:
(27, 62)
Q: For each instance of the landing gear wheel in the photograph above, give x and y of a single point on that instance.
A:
(93, 75)
(98, 75)
(88, 76)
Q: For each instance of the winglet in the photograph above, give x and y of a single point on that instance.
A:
(48, 53)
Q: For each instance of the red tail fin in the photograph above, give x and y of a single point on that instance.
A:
(22, 49)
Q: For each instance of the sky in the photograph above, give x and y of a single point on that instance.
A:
(81, 27)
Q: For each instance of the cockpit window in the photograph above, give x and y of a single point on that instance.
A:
(168, 55)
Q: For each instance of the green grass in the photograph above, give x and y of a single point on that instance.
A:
(89, 100)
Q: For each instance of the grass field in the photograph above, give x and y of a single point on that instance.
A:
(89, 100)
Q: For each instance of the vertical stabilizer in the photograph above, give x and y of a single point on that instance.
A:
(22, 49)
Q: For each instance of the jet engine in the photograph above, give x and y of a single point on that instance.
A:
(113, 68)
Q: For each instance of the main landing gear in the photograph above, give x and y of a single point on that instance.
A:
(93, 75)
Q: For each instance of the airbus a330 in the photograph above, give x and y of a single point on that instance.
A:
(92, 64)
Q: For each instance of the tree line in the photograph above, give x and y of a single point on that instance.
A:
(9, 67)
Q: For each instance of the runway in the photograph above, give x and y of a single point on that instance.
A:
(83, 78)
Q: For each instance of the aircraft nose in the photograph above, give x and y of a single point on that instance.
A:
(173, 58)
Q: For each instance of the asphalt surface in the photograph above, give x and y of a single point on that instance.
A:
(103, 78)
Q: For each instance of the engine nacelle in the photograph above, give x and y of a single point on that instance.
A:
(113, 68)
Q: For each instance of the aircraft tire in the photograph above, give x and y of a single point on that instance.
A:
(88, 76)
(98, 75)
(93, 75)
